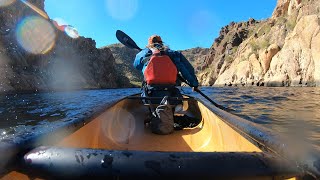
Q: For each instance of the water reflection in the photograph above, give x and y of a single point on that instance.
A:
(293, 112)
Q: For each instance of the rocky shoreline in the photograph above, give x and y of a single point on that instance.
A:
(283, 50)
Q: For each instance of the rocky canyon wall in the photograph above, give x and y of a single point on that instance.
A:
(282, 50)
(35, 55)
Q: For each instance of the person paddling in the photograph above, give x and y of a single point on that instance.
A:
(161, 66)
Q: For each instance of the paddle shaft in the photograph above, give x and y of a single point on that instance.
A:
(127, 41)
(202, 94)
(214, 103)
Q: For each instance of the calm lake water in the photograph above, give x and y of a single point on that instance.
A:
(293, 112)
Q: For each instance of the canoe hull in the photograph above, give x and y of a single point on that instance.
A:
(118, 143)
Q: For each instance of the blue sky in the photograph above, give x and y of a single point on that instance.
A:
(182, 24)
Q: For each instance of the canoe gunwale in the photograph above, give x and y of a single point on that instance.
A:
(51, 160)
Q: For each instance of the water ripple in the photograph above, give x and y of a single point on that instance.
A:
(290, 111)
(293, 112)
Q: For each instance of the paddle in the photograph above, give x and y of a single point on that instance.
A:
(205, 96)
(128, 42)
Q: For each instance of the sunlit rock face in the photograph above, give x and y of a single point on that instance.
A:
(298, 63)
(35, 55)
(286, 7)
(224, 50)
(280, 51)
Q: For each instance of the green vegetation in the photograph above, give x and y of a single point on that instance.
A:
(207, 70)
(234, 49)
(226, 39)
(304, 1)
(229, 59)
(291, 25)
(260, 29)
(264, 44)
(244, 58)
(257, 45)
(254, 45)
(281, 20)
(289, 21)
(254, 29)
(265, 29)
(251, 32)
(292, 21)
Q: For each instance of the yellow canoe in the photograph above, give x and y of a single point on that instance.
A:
(117, 143)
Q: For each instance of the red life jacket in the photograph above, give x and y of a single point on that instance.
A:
(160, 70)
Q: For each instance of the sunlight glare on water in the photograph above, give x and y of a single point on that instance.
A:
(36, 35)
(122, 9)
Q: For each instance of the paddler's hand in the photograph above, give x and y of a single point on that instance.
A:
(195, 89)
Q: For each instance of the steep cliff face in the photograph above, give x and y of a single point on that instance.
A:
(124, 58)
(280, 51)
(37, 59)
(224, 49)
(196, 56)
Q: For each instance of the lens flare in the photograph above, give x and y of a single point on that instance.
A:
(59, 24)
(35, 8)
(119, 127)
(122, 9)
(71, 32)
(35, 35)
(62, 26)
(6, 2)
(200, 23)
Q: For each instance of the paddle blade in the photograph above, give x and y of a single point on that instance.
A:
(126, 40)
